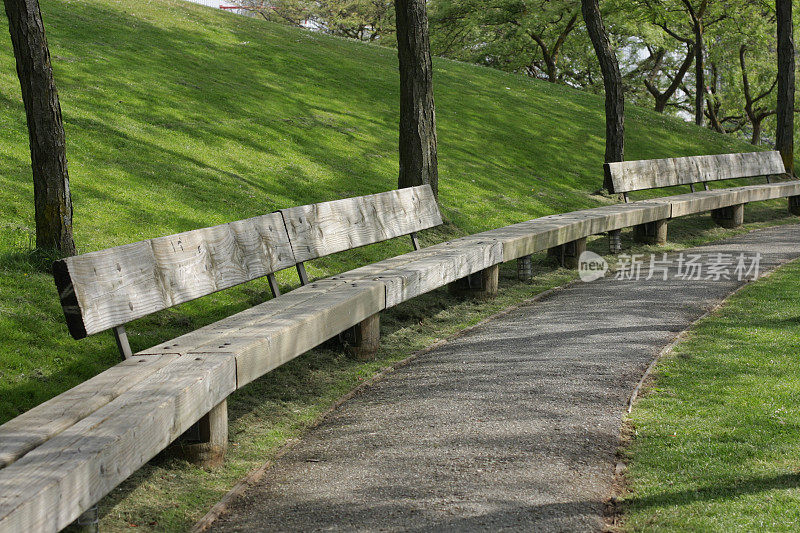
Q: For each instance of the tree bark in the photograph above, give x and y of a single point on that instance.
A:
(418, 160)
(699, 73)
(52, 201)
(662, 99)
(784, 138)
(612, 81)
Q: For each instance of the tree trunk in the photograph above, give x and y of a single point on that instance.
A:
(756, 138)
(699, 73)
(52, 201)
(784, 138)
(418, 162)
(612, 81)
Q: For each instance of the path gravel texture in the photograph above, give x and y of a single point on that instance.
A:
(513, 426)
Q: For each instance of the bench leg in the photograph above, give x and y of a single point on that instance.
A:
(483, 284)
(615, 241)
(651, 232)
(568, 253)
(363, 340)
(525, 268)
(212, 434)
(88, 522)
(729, 217)
(794, 205)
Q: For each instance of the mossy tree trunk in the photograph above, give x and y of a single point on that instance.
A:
(418, 160)
(52, 201)
(612, 81)
(784, 138)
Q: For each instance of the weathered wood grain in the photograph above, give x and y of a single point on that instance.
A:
(20, 435)
(629, 176)
(53, 484)
(702, 201)
(322, 229)
(103, 289)
(422, 271)
(263, 346)
(547, 232)
(258, 314)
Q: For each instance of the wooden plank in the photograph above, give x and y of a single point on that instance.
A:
(427, 274)
(322, 229)
(228, 326)
(103, 289)
(629, 176)
(53, 484)
(29, 430)
(702, 201)
(613, 217)
(265, 345)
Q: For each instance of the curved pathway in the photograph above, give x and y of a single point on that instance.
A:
(512, 426)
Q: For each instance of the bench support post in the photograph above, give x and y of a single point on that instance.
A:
(88, 522)
(568, 253)
(651, 232)
(301, 272)
(363, 340)
(414, 240)
(729, 217)
(121, 336)
(524, 268)
(273, 285)
(615, 241)
(212, 434)
(483, 284)
(794, 205)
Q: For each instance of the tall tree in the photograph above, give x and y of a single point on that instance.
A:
(658, 59)
(612, 81)
(418, 161)
(526, 36)
(784, 138)
(52, 200)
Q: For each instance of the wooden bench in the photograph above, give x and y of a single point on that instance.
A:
(726, 205)
(61, 457)
(563, 236)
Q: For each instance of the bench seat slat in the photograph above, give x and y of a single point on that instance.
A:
(108, 288)
(422, 271)
(627, 176)
(274, 332)
(703, 201)
(540, 234)
(53, 484)
(325, 228)
(257, 314)
(262, 347)
(32, 428)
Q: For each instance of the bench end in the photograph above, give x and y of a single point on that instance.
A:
(68, 299)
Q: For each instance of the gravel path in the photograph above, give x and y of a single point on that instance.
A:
(513, 426)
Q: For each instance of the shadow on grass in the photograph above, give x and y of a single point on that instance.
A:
(715, 492)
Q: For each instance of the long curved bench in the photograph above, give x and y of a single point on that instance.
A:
(61, 457)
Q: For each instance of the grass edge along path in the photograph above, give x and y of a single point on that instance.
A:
(711, 444)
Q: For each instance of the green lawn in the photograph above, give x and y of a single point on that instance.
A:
(179, 116)
(717, 437)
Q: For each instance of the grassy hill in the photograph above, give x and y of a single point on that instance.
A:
(179, 117)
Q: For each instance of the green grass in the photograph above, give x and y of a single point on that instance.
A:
(179, 117)
(716, 443)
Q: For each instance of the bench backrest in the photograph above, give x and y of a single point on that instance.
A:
(629, 176)
(322, 229)
(108, 288)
